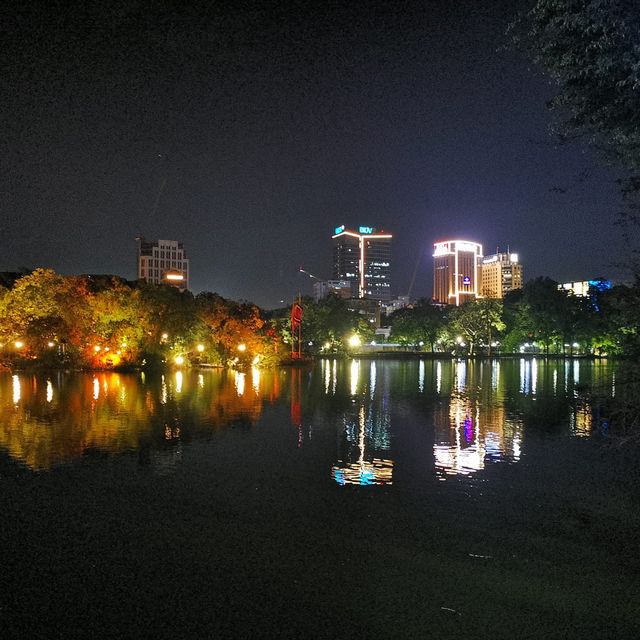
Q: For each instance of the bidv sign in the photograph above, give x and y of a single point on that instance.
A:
(366, 230)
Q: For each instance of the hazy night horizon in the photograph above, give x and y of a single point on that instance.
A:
(250, 133)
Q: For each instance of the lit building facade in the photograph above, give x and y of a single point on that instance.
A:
(585, 288)
(364, 259)
(340, 288)
(501, 273)
(456, 271)
(163, 262)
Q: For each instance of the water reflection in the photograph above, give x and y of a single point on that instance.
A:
(473, 432)
(45, 423)
(447, 417)
(365, 436)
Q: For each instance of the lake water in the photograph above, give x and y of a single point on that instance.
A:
(363, 498)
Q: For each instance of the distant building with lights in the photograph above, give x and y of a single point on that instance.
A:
(501, 273)
(585, 288)
(340, 288)
(456, 271)
(163, 262)
(363, 258)
(401, 302)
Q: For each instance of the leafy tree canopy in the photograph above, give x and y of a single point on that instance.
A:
(592, 50)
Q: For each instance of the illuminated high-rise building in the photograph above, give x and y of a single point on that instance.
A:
(456, 271)
(501, 273)
(163, 262)
(364, 259)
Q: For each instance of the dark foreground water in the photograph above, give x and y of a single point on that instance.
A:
(361, 499)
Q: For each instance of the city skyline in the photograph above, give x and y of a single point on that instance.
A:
(243, 136)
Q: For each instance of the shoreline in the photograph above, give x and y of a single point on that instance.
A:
(377, 355)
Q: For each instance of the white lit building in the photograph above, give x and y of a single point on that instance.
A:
(456, 271)
(501, 273)
(163, 262)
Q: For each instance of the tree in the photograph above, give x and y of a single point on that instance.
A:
(46, 312)
(478, 321)
(591, 48)
(330, 322)
(418, 324)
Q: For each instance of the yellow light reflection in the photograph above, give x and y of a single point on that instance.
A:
(255, 379)
(163, 390)
(461, 375)
(372, 380)
(355, 374)
(201, 381)
(334, 374)
(16, 389)
(178, 381)
(240, 383)
(96, 389)
(327, 376)
(49, 391)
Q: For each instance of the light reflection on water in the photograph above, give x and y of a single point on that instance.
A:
(463, 415)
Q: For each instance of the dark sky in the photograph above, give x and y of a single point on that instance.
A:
(250, 131)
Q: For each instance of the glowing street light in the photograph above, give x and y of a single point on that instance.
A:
(50, 344)
(200, 348)
(354, 341)
(242, 347)
(97, 348)
(18, 344)
(179, 360)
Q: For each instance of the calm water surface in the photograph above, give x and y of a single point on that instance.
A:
(354, 499)
(468, 414)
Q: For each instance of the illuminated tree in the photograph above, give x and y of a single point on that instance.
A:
(422, 323)
(477, 322)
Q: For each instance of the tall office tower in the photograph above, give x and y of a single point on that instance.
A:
(501, 273)
(363, 258)
(163, 262)
(456, 271)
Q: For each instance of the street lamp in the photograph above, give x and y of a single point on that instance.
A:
(354, 341)
(242, 347)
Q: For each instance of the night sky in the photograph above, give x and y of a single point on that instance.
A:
(249, 131)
